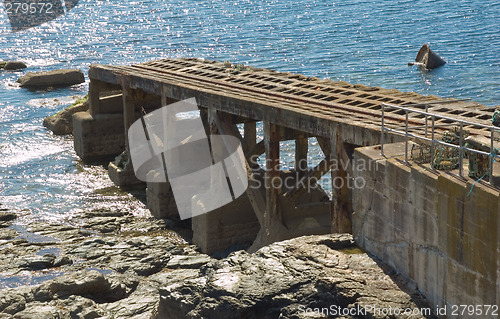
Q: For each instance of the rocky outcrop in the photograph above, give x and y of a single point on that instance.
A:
(306, 277)
(62, 122)
(12, 65)
(55, 78)
(112, 264)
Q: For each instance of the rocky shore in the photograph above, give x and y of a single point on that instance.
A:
(112, 264)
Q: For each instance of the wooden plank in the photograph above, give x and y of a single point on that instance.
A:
(128, 111)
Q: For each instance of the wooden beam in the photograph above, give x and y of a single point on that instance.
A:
(310, 178)
(250, 136)
(301, 149)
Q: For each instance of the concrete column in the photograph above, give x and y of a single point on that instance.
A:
(121, 171)
(341, 217)
(128, 111)
(95, 88)
(234, 223)
(159, 195)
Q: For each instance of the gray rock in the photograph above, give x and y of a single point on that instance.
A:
(63, 77)
(14, 65)
(62, 260)
(62, 122)
(195, 261)
(6, 216)
(83, 283)
(12, 303)
(38, 262)
(285, 278)
(7, 233)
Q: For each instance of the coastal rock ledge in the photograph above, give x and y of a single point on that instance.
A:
(306, 277)
(151, 277)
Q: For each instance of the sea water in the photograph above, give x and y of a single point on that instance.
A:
(368, 42)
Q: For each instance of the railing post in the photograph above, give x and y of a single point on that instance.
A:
(492, 150)
(432, 141)
(406, 136)
(461, 151)
(426, 112)
(382, 133)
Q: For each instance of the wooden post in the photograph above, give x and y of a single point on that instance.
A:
(340, 215)
(301, 149)
(273, 182)
(250, 136)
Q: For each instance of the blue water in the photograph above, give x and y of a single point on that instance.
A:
(356, 41)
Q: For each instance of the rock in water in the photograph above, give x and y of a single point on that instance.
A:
(63, 77)
(62, 122)
(427, 58)
(6, 216)
(13, 65)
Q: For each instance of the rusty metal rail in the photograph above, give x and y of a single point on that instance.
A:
(493, 155)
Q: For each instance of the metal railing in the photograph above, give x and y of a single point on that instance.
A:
(432, 116)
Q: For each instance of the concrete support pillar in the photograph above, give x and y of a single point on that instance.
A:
(341, 217)
(159, 195)
(121, 171)
(129, 116)
(95, 88)
(233, 224)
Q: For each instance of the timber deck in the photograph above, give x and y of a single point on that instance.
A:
(307, 104)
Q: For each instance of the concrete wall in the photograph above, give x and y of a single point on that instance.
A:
(98, 137)
(232, 224)
(429, 228)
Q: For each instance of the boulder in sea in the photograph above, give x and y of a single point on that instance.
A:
(55, 78)
(12, 65)
(62, 123)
